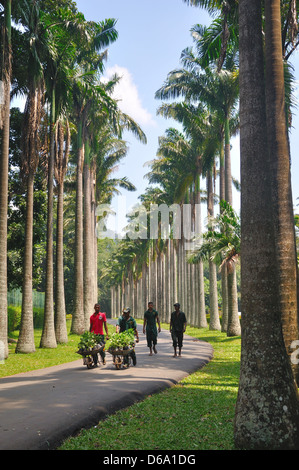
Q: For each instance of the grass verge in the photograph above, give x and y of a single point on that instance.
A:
(196, 414)
(42, 357)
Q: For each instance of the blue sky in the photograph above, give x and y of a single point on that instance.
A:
(152, 34)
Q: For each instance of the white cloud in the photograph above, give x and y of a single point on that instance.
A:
(126, 91)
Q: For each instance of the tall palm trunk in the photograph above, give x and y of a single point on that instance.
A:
(214, 313)
(144, 285)
(48, 339)
(93, 233)
(267, 405)
(281, 178)
(5, 123)
(88, 247)
(201, 320)
(61, 160)
(224, 320)
(228, 173)
(26, 337)
(233, 325)
(30, 158)
(78, 325)
(60, 311)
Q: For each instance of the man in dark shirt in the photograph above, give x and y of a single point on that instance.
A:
(126, 322)
(151, 317)
(178, 324)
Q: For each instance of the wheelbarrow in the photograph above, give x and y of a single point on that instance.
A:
(89, 355)
(123, 358)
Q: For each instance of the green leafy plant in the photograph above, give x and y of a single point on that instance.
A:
(122, 340)
(88, 341)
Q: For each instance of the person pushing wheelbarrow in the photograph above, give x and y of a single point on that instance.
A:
(126, 322)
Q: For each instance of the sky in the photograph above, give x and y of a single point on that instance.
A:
(152, 35)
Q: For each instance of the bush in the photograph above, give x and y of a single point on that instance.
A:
(38, 317)
(14, 317)
(122, 340)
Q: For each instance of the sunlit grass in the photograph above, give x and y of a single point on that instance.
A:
(42, 357)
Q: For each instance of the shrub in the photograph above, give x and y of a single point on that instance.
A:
(14, 317)
(38, 317)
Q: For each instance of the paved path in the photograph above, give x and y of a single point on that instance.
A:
(39, 409)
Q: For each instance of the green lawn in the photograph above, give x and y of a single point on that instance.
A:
(196, 414)
(16, 363)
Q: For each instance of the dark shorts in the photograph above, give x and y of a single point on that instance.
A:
(133, 356)
(151, 338)
(101, 339)
(177, 338)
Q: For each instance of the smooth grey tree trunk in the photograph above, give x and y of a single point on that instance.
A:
(25, 342)
(267, 406)
(5, 124)
(78, 324)
(60, 311)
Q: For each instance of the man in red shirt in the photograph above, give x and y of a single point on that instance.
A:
(97, 322)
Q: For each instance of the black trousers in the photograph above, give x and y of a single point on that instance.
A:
(101, 339)
(177, 338)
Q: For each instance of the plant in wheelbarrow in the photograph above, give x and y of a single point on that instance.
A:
(89, 342)
(121, 346)
(122, 341)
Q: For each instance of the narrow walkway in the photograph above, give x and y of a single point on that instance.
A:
(39, 409)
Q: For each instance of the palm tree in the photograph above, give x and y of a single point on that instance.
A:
(31, 149)
(102, 130)
(267, 391)
(4, 126)
(62, 139)
(219, 92)
(30, 159)
(214, 314)
(60, 28)
(223, 242)
(85, 95)
(78, 325)
(176, 170)
(283, 219)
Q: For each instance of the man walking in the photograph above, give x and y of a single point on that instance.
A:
(178, 324)
(126, 322)
(151, 317)
(98, 322)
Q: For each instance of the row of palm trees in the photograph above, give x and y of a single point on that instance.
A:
(60, 61)
(267, 36)
(54, 57)
(207, 112)
(253, 41)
